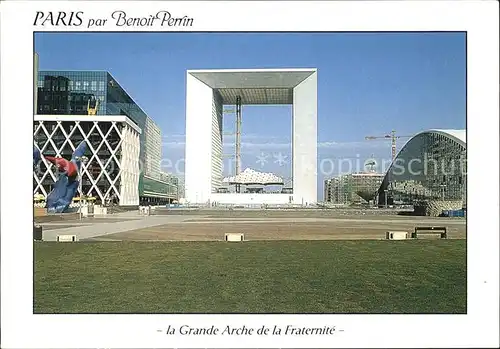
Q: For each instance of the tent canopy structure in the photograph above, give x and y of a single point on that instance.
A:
(252, 177)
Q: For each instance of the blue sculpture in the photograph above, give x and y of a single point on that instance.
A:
(65, 187)
(36, 156)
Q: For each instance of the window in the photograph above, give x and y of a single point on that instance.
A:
(85, 85)
(101, 85)
(70, 85)
(78, 85)
(94, 86)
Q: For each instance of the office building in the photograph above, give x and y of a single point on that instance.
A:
(112, 171)
(91, 105)
(35, 81)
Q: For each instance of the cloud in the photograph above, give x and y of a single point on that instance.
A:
(352, 145)
(174, 136)
(174, 145)
(262, 146)
(255, 136)
(253, 144)
(334, 157)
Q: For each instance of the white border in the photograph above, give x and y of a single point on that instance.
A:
(479, 328)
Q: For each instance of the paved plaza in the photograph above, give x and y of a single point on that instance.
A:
(255, 224)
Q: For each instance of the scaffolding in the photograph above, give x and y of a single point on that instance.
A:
(353, 188)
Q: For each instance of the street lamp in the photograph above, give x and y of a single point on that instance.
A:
(83, 160)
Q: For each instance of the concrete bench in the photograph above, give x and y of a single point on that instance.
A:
(37, 232)
(430, 231)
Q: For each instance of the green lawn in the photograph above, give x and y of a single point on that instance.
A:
(422, 276)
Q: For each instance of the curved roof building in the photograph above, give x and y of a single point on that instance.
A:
(430, 166)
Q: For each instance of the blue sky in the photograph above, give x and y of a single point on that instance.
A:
(368, 84)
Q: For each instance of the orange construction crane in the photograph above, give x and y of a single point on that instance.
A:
(393, 139)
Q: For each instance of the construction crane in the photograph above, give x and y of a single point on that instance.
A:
(393, 139)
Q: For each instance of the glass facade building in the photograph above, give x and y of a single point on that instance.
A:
(98, 93)
(430, 167)
(68, 92)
